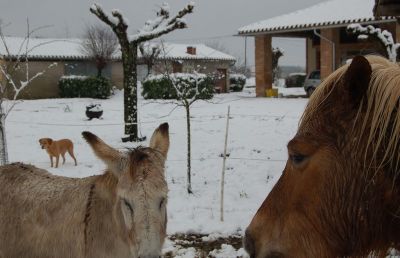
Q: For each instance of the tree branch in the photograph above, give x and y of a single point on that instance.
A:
(157, 30)
(98, 11)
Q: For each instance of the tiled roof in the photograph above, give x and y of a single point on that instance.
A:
(334, 13)
(70, 49)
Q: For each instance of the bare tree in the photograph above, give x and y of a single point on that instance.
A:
(15, 64)
(189, 88)
(161, 25)
(100, 44)
(384, 37)
(149, 53)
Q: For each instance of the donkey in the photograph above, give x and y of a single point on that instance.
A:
(121, 213)
(339, 194)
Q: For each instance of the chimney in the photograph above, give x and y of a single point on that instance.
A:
(191, 50)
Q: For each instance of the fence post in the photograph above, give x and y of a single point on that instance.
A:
(223, 165)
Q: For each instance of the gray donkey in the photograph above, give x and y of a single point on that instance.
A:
(119, 214)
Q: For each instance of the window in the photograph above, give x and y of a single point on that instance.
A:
(316, 75)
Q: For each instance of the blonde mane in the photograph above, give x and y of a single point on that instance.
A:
(378, 116)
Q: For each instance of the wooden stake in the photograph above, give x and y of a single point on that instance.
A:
(223, 165)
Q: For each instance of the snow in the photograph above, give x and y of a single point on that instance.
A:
(325, 13)
(259, 131)
(52, 48)
(228, 251)
(179, 51)
(384, 36)
(74, 77)
(94, 108)
(237, 76)
(295, 92)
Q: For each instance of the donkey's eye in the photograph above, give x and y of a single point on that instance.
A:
(297, 158)
(162, 202)
(128, 205)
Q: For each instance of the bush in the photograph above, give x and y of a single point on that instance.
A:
(237, 81)
(161, 87)
(295, 80)
(84, 87)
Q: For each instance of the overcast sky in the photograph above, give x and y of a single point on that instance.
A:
(212, 20)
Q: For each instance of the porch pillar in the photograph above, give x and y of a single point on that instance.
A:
(396, 36)
(327, 53)
(263, 60)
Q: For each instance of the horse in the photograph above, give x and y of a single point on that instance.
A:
(121, 213)
(339, 193)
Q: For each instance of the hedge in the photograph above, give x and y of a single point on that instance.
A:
(161, 87)
(84, 87)
(237, 81)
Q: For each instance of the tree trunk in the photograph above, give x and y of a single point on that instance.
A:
(129, 58)
(189, 175)
(99, 72)
(3, 141)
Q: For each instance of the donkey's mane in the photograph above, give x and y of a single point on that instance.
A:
(378, 116)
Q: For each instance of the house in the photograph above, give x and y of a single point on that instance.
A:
(178, 58)
(42, 52)
(323, 26)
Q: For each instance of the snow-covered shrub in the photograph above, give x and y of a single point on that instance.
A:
(84, 87)
(384, 36)
(162, 87)
(237, 81)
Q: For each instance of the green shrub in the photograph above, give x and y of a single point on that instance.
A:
(237, 81)
(84, 87)
(162, 87)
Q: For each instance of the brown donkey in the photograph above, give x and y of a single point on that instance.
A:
(339, 194)
(121, 213)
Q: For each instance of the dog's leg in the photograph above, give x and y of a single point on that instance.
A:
(51, 160)
(63, 157)
(57, 158)
(71, 153)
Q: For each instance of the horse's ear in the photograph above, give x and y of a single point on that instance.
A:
(109, 155)
(160, 139)
(357, 78)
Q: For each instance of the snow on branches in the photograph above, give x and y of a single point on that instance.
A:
(384, 37)
(161, 25)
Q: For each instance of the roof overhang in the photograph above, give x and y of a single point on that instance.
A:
(387, 8)
(286, 31)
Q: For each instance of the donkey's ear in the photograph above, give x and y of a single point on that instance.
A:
(357, 78)
(160, 139)
(109, 155)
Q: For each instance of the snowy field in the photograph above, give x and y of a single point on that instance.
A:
(258, 133)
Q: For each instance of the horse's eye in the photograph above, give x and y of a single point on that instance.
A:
(297, 158)
(128, 205)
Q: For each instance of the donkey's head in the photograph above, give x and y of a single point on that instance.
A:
(141, 190)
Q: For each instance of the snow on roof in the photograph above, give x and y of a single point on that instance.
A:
(43, 48)
(329, 13)
(70, 49)
(179, 52)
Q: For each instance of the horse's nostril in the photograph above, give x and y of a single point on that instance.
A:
(249, 244)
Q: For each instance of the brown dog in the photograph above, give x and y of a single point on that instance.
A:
(55, 148)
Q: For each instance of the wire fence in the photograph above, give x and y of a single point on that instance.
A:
(196, 119)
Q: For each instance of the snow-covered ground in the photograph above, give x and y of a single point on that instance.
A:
(283, 92)
(258, 133)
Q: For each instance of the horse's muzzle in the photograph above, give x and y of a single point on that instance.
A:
(248, 244)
